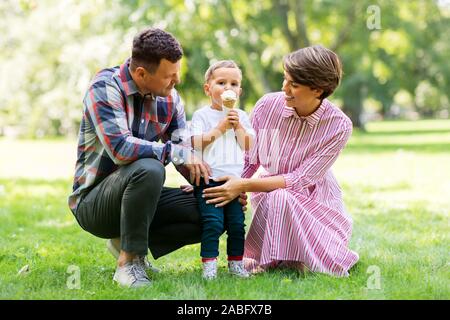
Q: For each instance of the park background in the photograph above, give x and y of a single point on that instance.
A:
(394, 172)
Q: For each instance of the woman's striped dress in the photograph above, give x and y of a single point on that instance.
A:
(306, 222)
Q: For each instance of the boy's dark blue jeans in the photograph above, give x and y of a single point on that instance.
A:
(215, 221)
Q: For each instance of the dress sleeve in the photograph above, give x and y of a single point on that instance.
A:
(315, 167)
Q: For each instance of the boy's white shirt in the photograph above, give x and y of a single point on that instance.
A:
(224, 156)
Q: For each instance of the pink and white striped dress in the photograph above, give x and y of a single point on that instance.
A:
(306, 222)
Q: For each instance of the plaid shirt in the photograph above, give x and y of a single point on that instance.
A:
(119, 126)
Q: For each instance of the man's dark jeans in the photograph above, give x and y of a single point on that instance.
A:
(216, 220)
(131, 203)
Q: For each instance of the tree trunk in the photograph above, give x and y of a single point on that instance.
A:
(297, 38)
(385, 109)
(353, 100)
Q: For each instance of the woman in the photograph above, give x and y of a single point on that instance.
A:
(299, 216)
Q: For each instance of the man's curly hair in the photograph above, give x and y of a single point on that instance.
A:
(150, 46)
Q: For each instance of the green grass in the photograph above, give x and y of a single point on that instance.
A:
(396, 182)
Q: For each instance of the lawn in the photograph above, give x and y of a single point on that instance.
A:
(396, 182)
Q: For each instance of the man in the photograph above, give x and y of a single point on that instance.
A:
(118, 188)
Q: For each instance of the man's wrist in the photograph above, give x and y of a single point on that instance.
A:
(176, 157)
(180, 155)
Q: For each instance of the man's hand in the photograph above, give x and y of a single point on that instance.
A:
(197, 168)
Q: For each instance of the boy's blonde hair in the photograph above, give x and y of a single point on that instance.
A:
(220, 64)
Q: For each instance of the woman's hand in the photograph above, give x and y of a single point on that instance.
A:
(225, 193)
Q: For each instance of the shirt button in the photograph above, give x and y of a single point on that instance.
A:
(142, 121)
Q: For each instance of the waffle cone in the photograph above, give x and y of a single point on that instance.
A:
(229, 103)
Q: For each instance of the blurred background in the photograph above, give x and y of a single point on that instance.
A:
(393, 172)
(395, 53)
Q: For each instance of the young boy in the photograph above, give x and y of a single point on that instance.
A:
(221, 134)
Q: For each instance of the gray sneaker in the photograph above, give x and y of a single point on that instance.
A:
(237, 268)
(132, 274)
(116, 251)
(210, 270)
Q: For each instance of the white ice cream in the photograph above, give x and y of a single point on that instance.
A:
(228, 95)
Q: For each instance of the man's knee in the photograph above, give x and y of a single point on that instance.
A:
(151, 170)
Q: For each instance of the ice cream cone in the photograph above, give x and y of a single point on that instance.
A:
(229, 103)
(229, 98)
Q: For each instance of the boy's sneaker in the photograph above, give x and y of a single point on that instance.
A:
(210, 269)
(116, 251)
(236, 267)
(132, 274)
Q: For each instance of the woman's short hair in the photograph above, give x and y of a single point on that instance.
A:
(316, 67)
(220, 64)
(152, 45)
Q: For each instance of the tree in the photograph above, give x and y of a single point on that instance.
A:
(51, 50)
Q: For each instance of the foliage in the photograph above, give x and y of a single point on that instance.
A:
(51, 49)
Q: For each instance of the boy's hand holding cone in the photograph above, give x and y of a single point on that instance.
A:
(229, 99)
